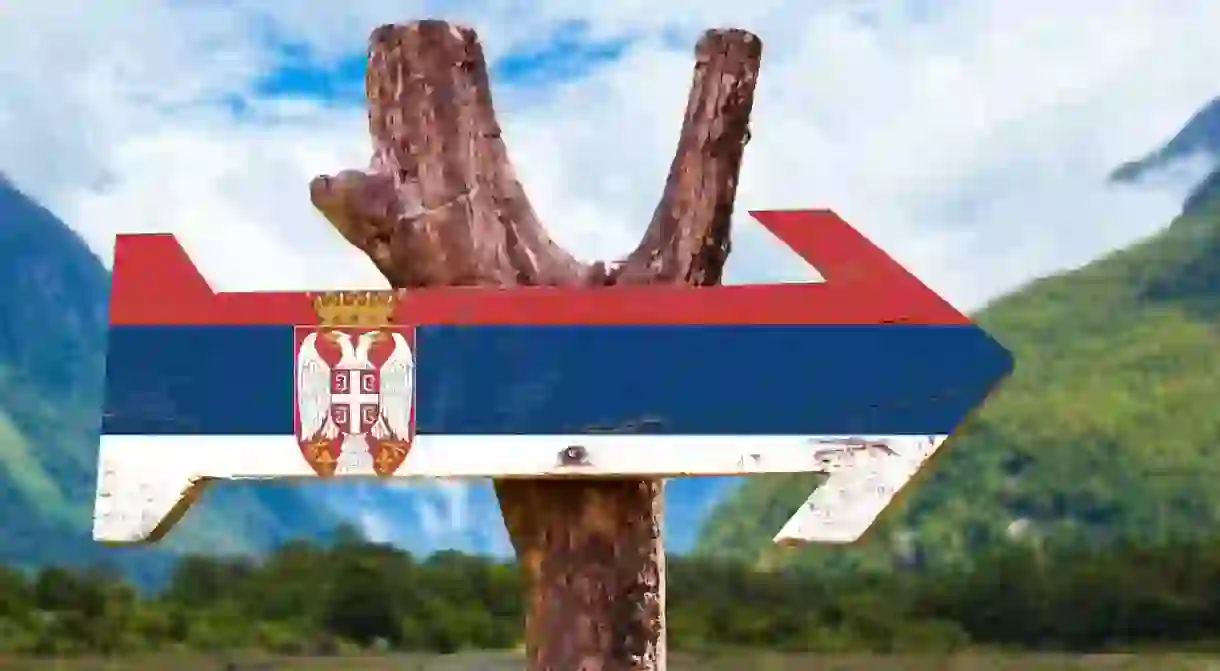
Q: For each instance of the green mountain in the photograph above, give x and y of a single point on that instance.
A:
(53, 297)
(1107, 431)
(1199, 136)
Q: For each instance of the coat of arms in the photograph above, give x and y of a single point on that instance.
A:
(355, 385)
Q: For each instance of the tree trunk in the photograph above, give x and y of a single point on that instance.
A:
(440, 204)
(594, 569)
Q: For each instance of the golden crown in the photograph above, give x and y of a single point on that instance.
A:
(355, 308)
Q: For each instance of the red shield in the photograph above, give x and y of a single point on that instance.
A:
(352, 394)
(354, 399)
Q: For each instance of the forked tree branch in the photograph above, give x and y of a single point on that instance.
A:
(687, 240)
(441, 205)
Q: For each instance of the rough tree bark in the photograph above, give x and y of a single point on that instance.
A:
(440, 204)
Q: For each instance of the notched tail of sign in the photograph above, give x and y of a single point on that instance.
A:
(142, 491)
(865, 476)
(139, 505)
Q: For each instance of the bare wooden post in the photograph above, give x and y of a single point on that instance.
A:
(441, 205)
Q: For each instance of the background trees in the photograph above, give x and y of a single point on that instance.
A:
(316, 599)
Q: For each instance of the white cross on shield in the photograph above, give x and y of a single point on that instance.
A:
(354, 399)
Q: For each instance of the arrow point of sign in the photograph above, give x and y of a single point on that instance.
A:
(858, 272)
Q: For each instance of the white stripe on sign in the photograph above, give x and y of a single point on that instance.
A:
(145, 483)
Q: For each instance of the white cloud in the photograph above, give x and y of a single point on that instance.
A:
(970, 139)
(211, 183)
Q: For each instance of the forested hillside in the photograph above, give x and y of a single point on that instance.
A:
(1107, 431)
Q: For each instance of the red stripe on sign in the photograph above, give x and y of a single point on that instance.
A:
(155, 282)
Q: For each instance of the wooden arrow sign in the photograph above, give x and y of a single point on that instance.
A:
(862, 375)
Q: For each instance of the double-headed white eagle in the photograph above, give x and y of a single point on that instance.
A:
(395, 391)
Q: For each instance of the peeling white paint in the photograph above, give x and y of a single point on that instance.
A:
(865, 476)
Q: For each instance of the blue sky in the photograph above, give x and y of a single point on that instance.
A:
(568, 54)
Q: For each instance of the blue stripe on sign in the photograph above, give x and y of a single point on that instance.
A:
(175, 380)
(693, 380)
(706, 380)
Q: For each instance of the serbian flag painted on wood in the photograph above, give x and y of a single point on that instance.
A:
(862, 375)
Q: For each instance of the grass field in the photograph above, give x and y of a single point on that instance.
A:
(743, 662)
